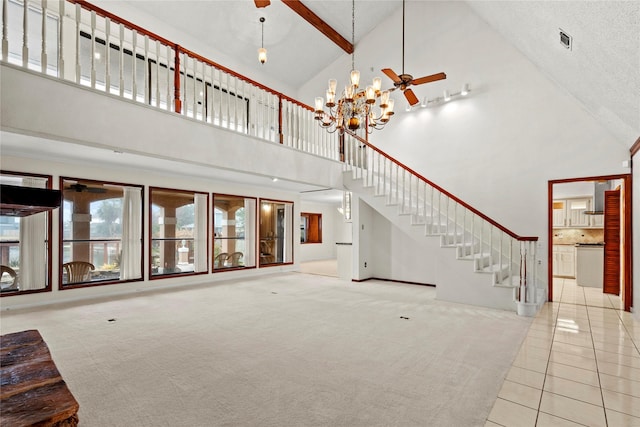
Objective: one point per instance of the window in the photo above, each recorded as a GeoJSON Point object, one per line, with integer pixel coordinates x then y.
{"type": "Point", "coordinates": [310, 227]}
{"type": "Point", "coordinates": [234, 225]}
{"type": "Point", "coordinates": [25, 252]}
{"type": "Point", "coordinates": [276, 232]}
{"type": "Point", "coordinates": [178, 232]}
{"type": "Point", "coordinates": [102, 226]}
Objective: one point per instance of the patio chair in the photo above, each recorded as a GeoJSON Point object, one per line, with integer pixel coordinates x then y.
{"type": "Point", "coordinates": [78, 271]}
{"type": "Point", "coordinates": [235, 259]}
{"type": "Point", "coordinates": [220, 259]}
{"type": "Point", "coordinates": [11, 285]}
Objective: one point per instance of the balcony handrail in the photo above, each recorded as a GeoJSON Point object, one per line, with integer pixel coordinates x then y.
{"type": "Point", "coordinates": [115, 18]}
{"type": "Point", "coordinates": [443, 191]}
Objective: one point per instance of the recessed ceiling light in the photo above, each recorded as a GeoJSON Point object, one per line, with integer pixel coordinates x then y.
{"type": "Point", "coordinates": [274, 179]}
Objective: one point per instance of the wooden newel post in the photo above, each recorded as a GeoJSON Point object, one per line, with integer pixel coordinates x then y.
{"type": "Point", "coordinates": [280, 119]}
{"type": "Point", "coordinates": [176, 81]}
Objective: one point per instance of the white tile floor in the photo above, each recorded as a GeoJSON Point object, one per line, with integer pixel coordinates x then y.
{"type": "Point", "coordinates": [579, 365]}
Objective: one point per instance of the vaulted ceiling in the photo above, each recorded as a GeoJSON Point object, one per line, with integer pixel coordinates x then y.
{"type": "Point", "coordinates": [601, 70]}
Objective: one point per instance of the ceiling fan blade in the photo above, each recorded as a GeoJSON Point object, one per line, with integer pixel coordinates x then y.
{"type": "Point", "coordinates": [262, 3]}
{"type": "Point", "coordinates": [411, 97]}
{"type": "Point", "coordinates": [393, 76]}
{"type": "Point", "coordinates": [428, 79]}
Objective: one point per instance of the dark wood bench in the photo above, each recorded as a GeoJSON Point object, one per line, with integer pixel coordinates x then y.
{"type": "Point", "coordinates": [32, 392]}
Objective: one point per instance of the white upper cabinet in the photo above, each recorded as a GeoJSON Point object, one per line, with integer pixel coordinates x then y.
{"type": "Point", "coordinates": [570, 213]}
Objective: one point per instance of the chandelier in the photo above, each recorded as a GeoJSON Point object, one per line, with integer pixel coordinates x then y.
{"type": "Point", "coordinates": [356, 107]}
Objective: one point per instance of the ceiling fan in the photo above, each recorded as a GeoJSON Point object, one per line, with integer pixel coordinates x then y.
{"type": "Point", "coordinates": [262, 3]}
{"type": "Point", "coordinates": [403, 81]}
{"type": "Point", "coordinates": [81, 188]}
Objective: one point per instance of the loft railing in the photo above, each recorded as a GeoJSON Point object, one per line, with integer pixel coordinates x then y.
{"type": "Point", "coordinates": [492, 247]}
{"type": "Point", "coordinates": [79, 42]}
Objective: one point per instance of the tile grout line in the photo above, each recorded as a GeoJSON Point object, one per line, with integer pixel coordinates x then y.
{"type": "Point", "coordinates": [544, 380]}
{"type": "Point", "coordinates": [604, 409]}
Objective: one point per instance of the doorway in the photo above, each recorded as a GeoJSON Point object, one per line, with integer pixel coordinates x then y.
{"type": "Point", "coordinates": [587, 217]}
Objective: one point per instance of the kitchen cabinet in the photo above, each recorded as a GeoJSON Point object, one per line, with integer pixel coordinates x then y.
{"type": "Point", "coordinates": [564, 261]}
{"type": "Point", "coordinates": [570, 213]}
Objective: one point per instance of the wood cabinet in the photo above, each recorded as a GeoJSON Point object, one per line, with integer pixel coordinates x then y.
{"type": "Point", "coordinates": [564, 261]}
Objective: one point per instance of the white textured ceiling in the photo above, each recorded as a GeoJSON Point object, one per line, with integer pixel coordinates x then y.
{"type": "Point", "coordinates": [602, 69]}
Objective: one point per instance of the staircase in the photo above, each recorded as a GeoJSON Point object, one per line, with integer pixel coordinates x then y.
{"type": "Point", "coordinates": [480, 262]}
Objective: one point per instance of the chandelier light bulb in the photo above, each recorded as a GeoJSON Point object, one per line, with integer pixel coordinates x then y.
{"type": "Point", "coordinates": [348, 93]}
{"type": "Point", "coordinates": [332, 85]}
{"type": "Point", "coordinates": [371, 95]}
{"type": "Point", "coordinates": [331, 96]}
{"type": "Point", "coordinates": [318, 105]}
{"type": "Point", "coordinates": [355, 78]}
{"type": "Point", "coordinates": [389, 110]}
{"type": "Point", "coordinates": [384, 99]}
{"type": "Point", "coordinates": [377, 84]}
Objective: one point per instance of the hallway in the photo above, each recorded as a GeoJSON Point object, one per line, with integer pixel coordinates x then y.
{"type": "Point", "coordinates": [579, 365]}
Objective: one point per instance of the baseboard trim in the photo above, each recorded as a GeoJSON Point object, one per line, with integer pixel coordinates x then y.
{"type": "Point", "coordinates": [395, 281]}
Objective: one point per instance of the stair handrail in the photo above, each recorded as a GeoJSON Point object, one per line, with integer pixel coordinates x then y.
{"type": "Point", "coordinates": [445, 192]}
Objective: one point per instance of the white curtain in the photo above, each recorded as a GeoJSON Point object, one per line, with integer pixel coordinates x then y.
{"type": "Point", "coordinates": [200, 233]}
{"type": "Point", "coordinates": [33, 248]}
{"type": "Point", "coordinates": [250, 232]}
{"type": "Point", "coordinates": [131, 258]}
{"type": "Point", "coordinates": [288, 233]}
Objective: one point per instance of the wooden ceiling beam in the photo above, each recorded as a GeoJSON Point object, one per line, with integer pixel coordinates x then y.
{"type": "Point", "coordinates": [319, 24]}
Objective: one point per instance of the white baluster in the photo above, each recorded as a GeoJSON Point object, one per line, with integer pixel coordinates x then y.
{"type": "Point", "coordinates": [61, 19]}
{"type": "Point", "coordinates": [491, 245]}
{"type": "Point", "coordinates": [195, 88]}
{"type": "Point", "coordinates": [170, 83]}
{"type": "Point", "coordinates": [501, 234]}
{"type": "Point", "coordinates": [5, 25]}
{"type": "Point", "coordinates": [43, 52]}
{"type": "Point", "coordinates": [78, 18]}
{"type": "Point", "coordinates": [25, 35]}
{"type": "Point", "coordinates": [511, 241]}
{"type": "Point", "coordinates": [121, 62]}
{"type": "Point", "coordinates": [107, 59]}
{"type": "Point", "coordinates": [134, 65]}
{"type": "Point", "coordinates": [157, 79]}
{"type": "Point", "coordinates": [92, 74]}
{"type": "Point", "coordinates": [147, 71]}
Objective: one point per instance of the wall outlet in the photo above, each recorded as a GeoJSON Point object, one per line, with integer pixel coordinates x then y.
{"type": "Point", "coordinates": [365, 264]}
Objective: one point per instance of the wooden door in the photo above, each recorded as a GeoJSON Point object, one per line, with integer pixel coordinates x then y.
{"type": "Point", "coordinates": [612, 242]}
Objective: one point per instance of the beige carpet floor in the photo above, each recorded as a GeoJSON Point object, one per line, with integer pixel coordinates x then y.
{"type": "Point", "coordinates": [288, 349]}
{"type": "Point", "coordinates": [323, 267]}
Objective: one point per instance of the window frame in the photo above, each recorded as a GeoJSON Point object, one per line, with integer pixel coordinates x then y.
{"type": "Point", "coordinates": [312, 221]}
{"type": "Point", "coordinates": [151, 239]}
{"type": "Point", "coordinates": [259, 231]}
{"type": "Point", "coordinates": [254, 249]}
{"type": "Point", "coordinates": [49, 276]}
{"type": "Point", "coordinates": [62, 241]}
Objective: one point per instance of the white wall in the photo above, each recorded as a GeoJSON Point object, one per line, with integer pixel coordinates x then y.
{"type": "Point", "coordinates": [363, 239]}
{"type": "Point", "coordinates": [397, 256]}
{"type": "Point", "coordinates": [129, 176]}
{"type": "Point", "coordinates": [330, 222]}
{"type": "Point", "coordinates": [497, 148]}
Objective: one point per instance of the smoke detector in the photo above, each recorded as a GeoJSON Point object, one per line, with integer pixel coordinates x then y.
{"type": "Point", "coordinates": [565, 39]}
